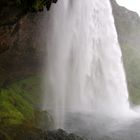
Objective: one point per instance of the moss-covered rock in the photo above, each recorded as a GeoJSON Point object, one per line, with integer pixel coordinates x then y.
{"type": "Point", "coordinates": [128, 28]}
{"type": "Point", "coordinates": [19, 101]}
{"type": "Point", "coordinates": [26, 133]}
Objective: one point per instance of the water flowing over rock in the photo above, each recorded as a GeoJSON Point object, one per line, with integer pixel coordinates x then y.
{"type": "Point", "coordinates": [84, 70]}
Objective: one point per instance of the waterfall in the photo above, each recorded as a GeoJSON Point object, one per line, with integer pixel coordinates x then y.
{"type": "Point", "coordinates": [84, 69]}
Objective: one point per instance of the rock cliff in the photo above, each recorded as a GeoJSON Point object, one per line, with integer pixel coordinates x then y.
{"type": "Point", "coordinates": [128, 28]}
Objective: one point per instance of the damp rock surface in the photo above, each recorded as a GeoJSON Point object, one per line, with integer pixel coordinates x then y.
{"type": "Point", "coordinates": [23, 133]}
{"type": "Point", "coordinates": [61, 135]}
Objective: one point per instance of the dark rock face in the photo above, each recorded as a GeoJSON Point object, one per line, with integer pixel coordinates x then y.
{"type": "Point", "coordinates": [128, 29]}
{"type": "Point", "coordinates": [49, 2]}
{"type": "Point", "coordinates": [20, 53]}
{"type": "Point", "coordinates": [12, 10]}
{"type": "Point", "coordinates": [9, 12]}
{"type": "Point", "coordinates": [61, 135]}
{"type": "Point", "coordinates": [37, 134]}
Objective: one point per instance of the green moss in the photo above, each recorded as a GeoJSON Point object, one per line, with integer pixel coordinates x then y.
{"type": "Point", "coordinates": [38, 5]}
{"type": "Point", "coordinates": [131, 58]}
{"type": "Point", "coordinates": [19, 2]}
{"type": "Point", "coordinates": [18, 101]}
{"type": "Point", "coordinates": [29, 89]}
{"type": "Point", "coordinates": [134, 94]}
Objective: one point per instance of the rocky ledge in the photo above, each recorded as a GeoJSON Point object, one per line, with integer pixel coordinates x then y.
{"type": "Point", "coordinates": [36, 134]}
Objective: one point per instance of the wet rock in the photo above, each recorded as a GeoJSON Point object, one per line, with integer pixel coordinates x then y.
{"type": "Point", "coordinates": [29, 133]}
{"type": "Point", "coordinates": [61, 135]}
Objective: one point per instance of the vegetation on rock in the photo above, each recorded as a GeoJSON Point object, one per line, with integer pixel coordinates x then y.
{"type": "Point", "coordinates": [128, 29]}
{"type": "Point", "coordinates": [29, 133]}
{"type": "Point", "coordinates": [18, 102]}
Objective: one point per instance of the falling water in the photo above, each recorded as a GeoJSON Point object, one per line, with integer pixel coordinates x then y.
{"type": "Point", "coordinates": [84, 70]}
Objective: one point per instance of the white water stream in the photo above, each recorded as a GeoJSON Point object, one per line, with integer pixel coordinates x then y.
{"type": "Point", "coordinates": [84, 70]}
